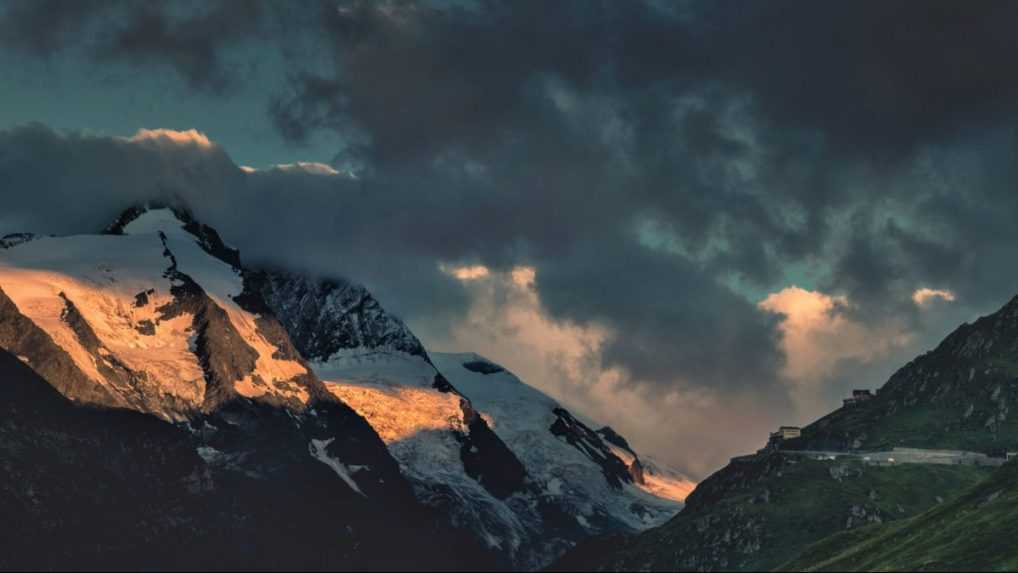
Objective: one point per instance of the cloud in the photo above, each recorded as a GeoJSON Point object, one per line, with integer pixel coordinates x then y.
{"type": "Point", "coordinates": [818, 337]}
{"type": "Point", "coordinates": [658, 183]}
{"type": "Point", "coordinates": [467, 273]}
{"type": "Point", "coordinates": [308, 167]}
{"type": "Point", "coordinates": [507, 322]}
{"type": "Point", "coordinates": [189, 38]}
{"type": "Point", "coordinates": [925, 296]}
{"type": "Point", "coordinates": [170, 136]}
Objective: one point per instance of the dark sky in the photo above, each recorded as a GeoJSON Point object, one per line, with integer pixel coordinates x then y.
{"type": "Point", "coordinates": [691, 220]}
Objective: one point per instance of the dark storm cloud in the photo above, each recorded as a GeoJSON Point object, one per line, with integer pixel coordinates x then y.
{"type": "Point", "coordinates": [190, 38]}
{"type": "Point", "coordinates": [875, 76]}
{"type": "Point", "coordinates": [747, 137]}
{"type": "Point", "coordinates": [681, 331]}
{"type": "Point", "coordinates": [304, 221]}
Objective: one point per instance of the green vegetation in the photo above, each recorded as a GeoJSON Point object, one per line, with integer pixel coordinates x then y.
{"type": "Point", "coordinates": [756, 515]}
{"type": "Point", "coordinates": [958, 396]}
{"type": "Point", "coordinates": [974, 531]}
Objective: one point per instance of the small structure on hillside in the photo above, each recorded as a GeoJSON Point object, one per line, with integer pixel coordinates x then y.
{"type": "Point", "coordinates": [783, 433]}
{"type": "Point", "coordinates": [1002, 453]}
{"type": "Point", "coordinates": [858, 396]}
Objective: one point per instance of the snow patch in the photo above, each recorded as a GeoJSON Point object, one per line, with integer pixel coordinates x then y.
{"type": "Point", "coordinates": [317, 448]}
{"type": "Point", "coordinates": [399, 413]}
{"type": "Point", "coordinates": [371, 366]}
{"type": "Point", "coordinates": [210, 455]}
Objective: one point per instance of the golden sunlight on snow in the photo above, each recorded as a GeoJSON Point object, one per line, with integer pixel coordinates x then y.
{"type": "Point", "coordinates": [667, 487]}
{"type": "Point", "coordinates": [270, 368]}
{"type": "Point", "coordinates": [924, 296]}
{"type": "Point", "coordinates": [399, 412]}
{"type": "Point", "coordinates": [106, 298]}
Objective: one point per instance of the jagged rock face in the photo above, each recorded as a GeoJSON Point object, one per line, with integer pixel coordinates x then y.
{"type": "Point", "coordinates": [451, 448]}
{"type": "Point", "coordinates": [578, 486]}
{"type": "Point", "coordinates": [578, 435]}
{"type": "Point", "coordinates": [15, 239]}
{"type": "Point", "coordinates": [324, 317]}
{"type": "Point", "coordinates": [84, 488]}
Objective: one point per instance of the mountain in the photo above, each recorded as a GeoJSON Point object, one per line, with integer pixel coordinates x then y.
{"type": "Point", "coordinates": [92, 488]}
{"type": "Point", "coordinates": [476, 442]}
{"type": "Point", "coordinates": [578, 484]}
{"type": "Point", "coordinates": [957, 396]}
{"type": "Point", "coordinates": [264, 380]}
{"type": "Point", "coordinates": [973, 532]}
{"type": "Point", "coordinates": [764, 509]}
{"type": "Point", "coordinates": [187, 431]}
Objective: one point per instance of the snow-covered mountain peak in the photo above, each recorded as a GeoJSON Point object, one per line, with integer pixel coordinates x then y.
{"type": "Point", "coordinates": [157, 220]}
{"type": "Point", "coordinates": [147, 318]}
{"type": "Point", "coordinates": [158, 314]}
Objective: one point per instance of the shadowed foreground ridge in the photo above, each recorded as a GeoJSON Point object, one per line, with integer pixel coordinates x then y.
{"type": "Point", "coordinates": [86, 488]}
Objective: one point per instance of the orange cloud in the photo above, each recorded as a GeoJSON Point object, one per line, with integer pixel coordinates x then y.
{"type": "Point", "coordinates": [189, 137]}
{"type": "Point", "coordinates": [467, 272]}
{"type": "Point", "coordinates": [924, 296]}
{"type": "Point", "coordinates": [816, 335]}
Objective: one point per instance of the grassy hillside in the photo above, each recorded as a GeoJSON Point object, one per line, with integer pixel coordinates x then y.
{"type": "Point", "coordinates": [975, 531]}
{"type": "Point", "coordinates": [957, 396]}
{"type": "Point", "coordinates": [756, 514]}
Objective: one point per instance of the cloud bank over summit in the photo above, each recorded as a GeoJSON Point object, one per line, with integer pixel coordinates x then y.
{"type": "Point", "coordinates": [618, 329]}
{"type": "Point", "coordinates": [665, 170]}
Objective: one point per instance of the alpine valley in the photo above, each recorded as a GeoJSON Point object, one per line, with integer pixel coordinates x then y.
{"type": "Point", "coordinates": [919, 476]}
{"type": "Point", "coordinates": [165, 406]}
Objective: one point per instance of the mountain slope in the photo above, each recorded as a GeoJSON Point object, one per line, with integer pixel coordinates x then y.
{"type": "Point", "coordinates": [269, 373]}
{"type": "Point", "coordinates": [447, 442]}
{"type": "Point", "coordinates": [973, 532]}
{"type": "Point", "coordinates": [763, 509]}
{"type": "Point", "coordinates": [151, 324]}
{"type": "Point", "coordinates": [147, 321]}
{"type": "Point", "coordinates": [956, 396]}
{"type": "Point", "coordinates": [93, 488]}
{"type": "Point", "coordinates": [755, 514]}
{"type": "Point", "coordinates": [561, 452]}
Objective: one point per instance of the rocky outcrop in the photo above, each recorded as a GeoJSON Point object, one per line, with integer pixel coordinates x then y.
{"type": "Point", "coordinates": [578, 435]}
{"type": "Point", "coordinates": [326, 316]}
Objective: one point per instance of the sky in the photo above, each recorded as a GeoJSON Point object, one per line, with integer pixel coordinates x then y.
{"type": "Point", "coordinates": [693, 221]}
